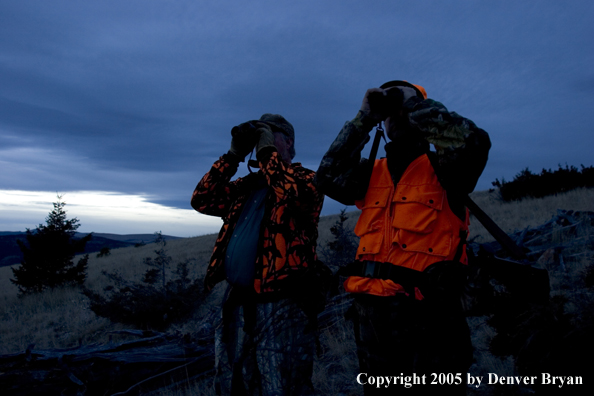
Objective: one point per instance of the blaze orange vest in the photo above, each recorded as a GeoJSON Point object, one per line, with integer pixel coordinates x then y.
{"type": "Point", "coordinates": [410, 224]}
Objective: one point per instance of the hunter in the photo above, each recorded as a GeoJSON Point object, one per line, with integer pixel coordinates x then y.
{"type": "Point", "coordinates": [265, 342]}
{"type": "Point", "coordinates": [413, 221]}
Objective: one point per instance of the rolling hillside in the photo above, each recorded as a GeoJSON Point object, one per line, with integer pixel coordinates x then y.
{"type": "Point", "coordinates": [62, 318]}
{"type": "Point", "coordinates": [10, 254]}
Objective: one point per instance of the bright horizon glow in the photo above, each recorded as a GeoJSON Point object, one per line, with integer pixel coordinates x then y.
{"type": "Point", "coordinates": [103, 212]}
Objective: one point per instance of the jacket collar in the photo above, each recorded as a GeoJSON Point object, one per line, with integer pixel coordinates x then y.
{"type": "Point", "coordinates": [401, 152]}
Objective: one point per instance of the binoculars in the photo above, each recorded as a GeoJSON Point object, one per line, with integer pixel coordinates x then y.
{"type": "Point", "coordinates": [246, 128]}
{"type": "Point", "coordinates": [388, 104]}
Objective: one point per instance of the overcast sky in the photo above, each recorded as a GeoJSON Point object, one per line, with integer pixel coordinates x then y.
{"type": "Point", "coordinates": [122, 106]}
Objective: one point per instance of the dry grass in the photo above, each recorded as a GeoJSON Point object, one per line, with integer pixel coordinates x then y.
{"type": "Point", "coordinates": [61, 318]}
{"type": "Point", "coordinates": [335, 371]}
{"type": "Point", "coordinates": [58, 318]}
{"type": "Point", "coordinates": [128, 261]}
{"type": "Point", "coordinates": [530, 212]}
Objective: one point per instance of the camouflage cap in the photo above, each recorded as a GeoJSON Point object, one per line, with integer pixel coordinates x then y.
{"type": "Point", "coordinates": [421, 93]}
{"type": "Point", "coordinates": [280, 123]}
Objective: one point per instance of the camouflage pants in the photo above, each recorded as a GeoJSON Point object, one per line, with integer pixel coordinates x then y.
{"type": "Point", "coordinates": [271, 355]}
{"type": "Point", "coordinates": [399, 335]}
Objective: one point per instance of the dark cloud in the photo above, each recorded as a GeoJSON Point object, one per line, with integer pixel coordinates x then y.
{"type": "Point", "coordinates": [139, 97]}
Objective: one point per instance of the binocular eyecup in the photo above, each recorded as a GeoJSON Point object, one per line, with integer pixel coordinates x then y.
{"type": "Point", "coordinates": [246, 127]}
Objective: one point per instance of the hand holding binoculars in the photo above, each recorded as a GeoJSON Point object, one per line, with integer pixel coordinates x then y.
{"type": "Point", "coordinates": [245, 136]}
{"type": "Point", "coordinates": [381, 104]}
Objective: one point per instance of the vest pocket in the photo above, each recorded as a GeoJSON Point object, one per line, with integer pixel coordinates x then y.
{"type": "Point", "coordinates": [371, 221]}
{"type": "Point", "coordinates": [370, 243]}
{"type": "Point", "coordinates": [438, 243]}
{"type": "Point", "coordinates": [372, 210]}
{"type": "Point", "coordinates": [415, 220]}
{"type": "Point", "coordinates": [416, 208]}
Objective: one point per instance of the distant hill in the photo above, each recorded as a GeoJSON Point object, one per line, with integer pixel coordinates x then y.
{"type": "Point", "coordinates": [128, 238]}
{"type": "Point", "coordinates": [10, 253]}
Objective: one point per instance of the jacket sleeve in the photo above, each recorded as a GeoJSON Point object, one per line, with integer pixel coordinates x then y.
{"type": "Point", "coordinates": [215, 193]}
{"type": "Point", "coordinates": [461, 147]}
{"type": "Point", "coordinates": [343, 175]}
{"type": "Point", "coordinates": [291, 183]}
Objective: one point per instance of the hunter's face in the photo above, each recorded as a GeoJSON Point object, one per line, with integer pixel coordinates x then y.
{"type": "Point", "coordinates": [283, 145]}
{"type": "Point", "coordinates": [397, 124]}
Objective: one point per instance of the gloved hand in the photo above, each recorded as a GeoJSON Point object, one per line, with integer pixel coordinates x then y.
{"type": "Point", "coordinates": [409, 99]}
{"type": "Point", "coordinates": [379, 104]}
{"type": "Point", "coordinates": [266, 137]}
{"type": "Point", "coordinates": [407, 93]}
{"type": "Point", "coordinates": [244, 139]}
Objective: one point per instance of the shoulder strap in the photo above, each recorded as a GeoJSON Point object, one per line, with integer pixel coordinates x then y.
{"type": "Point", "coordinates": [379, 134]}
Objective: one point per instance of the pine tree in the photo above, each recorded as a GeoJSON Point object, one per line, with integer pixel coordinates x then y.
{"type": "Point", "coordinates": [343, 249]}
{"type": "Point", "coordinates": [48, 254]}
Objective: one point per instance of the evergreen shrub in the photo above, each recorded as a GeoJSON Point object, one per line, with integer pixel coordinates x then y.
{"type": "Point", "coordinates": [162, 297]}
{"type": "Point", "coordinates": [48, 254]}
{"type": "Point", "coordinates": [527, 184]}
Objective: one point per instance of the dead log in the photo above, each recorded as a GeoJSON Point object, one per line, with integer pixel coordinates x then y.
{"type": "Point", "coordinates": [104, 369]}
{"type": "Point", "coordinates": [152, 361]}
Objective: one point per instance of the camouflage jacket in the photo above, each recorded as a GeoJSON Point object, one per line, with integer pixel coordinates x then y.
{"type": "Point", "coordinates": [461, 151]}
{"type": "Point", "coordinates": [289, 230]}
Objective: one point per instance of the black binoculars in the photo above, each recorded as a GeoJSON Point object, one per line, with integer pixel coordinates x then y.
{"type": "Point", "coordinates": [246, 128]}
{"type": "Point", "coordinates": [388, 104]}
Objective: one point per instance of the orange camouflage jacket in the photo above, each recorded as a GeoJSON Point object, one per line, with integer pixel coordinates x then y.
{"type": "Point", "coordinates": [289, 230]}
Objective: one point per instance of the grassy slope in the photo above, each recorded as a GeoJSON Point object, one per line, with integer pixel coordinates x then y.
{"type": "Point", "coordinates": [60, 318]}
{"type": "Point", "coordinates": [530, 212]}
